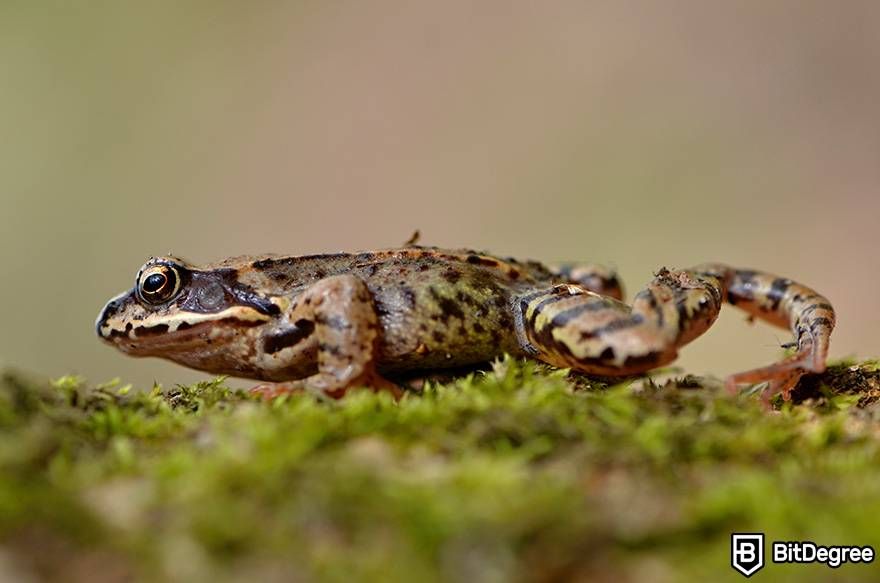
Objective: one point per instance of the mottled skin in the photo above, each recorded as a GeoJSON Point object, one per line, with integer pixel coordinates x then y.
{"type": "Point", "coordinates": [330, 322]}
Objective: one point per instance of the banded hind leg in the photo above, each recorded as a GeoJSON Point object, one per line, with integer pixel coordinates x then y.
{"type": "Point", "coordinates": [571, 327]}
{"type": "Point", "coordinates": [786, 304]}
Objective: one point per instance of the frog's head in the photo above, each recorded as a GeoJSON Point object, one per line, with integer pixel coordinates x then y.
{"type": "Point", "coordinates": [200, 318]}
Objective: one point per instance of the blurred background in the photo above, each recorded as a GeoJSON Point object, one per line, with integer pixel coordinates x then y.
{"type": "Point", "coordinates": [640, 134]}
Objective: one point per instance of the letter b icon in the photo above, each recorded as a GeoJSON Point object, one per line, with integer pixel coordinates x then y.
{"type": "Point", "coordinates": [747, 552]}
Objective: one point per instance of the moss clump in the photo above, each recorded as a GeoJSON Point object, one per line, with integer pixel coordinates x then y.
{"type": "Point", "coordinates": [517, 473]}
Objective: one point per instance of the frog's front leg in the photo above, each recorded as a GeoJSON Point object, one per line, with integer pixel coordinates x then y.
{"type": "Point", "coordinates": [339, 312]}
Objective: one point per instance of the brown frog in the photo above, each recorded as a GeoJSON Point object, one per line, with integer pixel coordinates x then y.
{"type": "Point", "coordinates": [333, 321]}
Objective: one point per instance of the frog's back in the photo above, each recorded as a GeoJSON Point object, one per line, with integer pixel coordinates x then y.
{"type": "Point", "coordinates": [437, 307]}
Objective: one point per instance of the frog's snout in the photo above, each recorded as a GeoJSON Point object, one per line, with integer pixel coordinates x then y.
{"type": "Point", "coordinates": [112, 308]}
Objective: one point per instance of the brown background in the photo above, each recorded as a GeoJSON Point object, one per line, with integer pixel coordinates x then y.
{"type": "Point", "coordinates": [641, 134]}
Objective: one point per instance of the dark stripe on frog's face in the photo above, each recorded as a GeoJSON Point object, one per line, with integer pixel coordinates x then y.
{"type": "Point", "coordinates": [204, 297]}
{"type": "Point", "coordinates": [214, 291]}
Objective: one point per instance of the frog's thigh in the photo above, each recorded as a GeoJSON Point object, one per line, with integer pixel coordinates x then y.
{"type": "Point", "coordinates": [570, 327]}
{"type": "Point", "coordinates": [347, 329]}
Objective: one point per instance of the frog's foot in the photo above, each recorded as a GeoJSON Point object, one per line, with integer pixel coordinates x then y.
{"type": "Point", "coordinates": [326, 384]}
{"type": "Point", "coordinates": [270, 391]}
{"type": "Point", "coordinates": [781, 377]}
{"type": "Point", "coordinates": [372, 381]}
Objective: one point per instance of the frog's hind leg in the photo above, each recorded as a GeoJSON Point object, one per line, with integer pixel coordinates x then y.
{"type": "Point", "coordinates": [786, 304]}
{"type": "Point", "coordinates": [600, 279]}
{"type": "Point", "coordinates": [570, 326]}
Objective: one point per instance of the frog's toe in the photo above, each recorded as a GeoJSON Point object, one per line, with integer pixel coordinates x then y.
{"type": "Point", "coordinates": [781, 378]}
{"type": "Point", "coordinates": [372, 381]}
{"type": "Point", "coordinates": [380, 383]}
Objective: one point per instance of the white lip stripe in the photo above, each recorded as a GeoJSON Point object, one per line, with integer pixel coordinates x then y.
{"type": "Point", "coordinates": [174, 321]}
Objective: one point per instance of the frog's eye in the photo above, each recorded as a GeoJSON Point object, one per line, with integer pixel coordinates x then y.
{"type": "Point", "coordinates": [158, 284]}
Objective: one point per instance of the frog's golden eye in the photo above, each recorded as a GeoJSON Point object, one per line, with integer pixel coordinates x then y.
{"type": "Point", "coordinates": [158, 284]}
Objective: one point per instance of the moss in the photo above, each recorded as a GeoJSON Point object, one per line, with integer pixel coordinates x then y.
{"type": "Point", "coordinates": [516, 473]}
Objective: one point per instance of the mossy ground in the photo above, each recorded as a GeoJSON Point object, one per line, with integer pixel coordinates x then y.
{"type": "Point", "coordinates": [516, 473]}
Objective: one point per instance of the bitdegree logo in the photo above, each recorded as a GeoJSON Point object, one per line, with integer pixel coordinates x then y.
{"type": "Point", "coordinates": [747, 552]}
{"type": "Point", "coordinates": [809, 552]}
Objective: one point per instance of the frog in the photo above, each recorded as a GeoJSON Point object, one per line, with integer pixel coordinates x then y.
{"type": "Point", "coordinates": [327, 323]}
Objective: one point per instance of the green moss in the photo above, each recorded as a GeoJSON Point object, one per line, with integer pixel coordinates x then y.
{"type": "Point", "coordinates": [518, 473]}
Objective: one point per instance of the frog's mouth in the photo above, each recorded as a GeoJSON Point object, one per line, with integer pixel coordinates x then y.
{"type": "Point", "coordinates": [158, 340]}
{"type": "Point", "coordinates": [126, 325]}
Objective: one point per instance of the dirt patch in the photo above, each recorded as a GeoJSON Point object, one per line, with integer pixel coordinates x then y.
{"type": "Point", "coordinates": [843, 379]}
